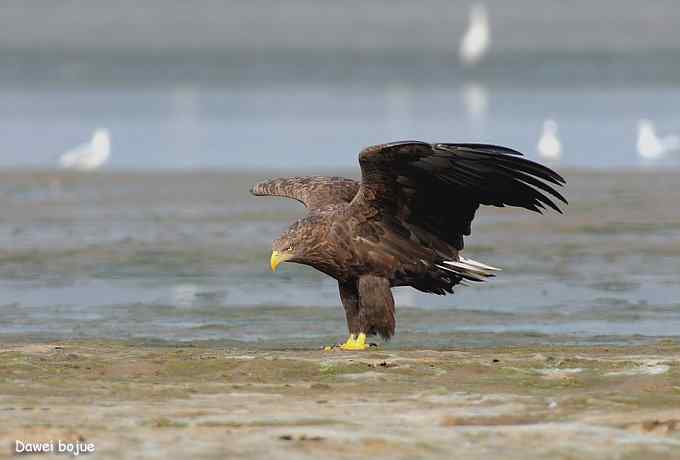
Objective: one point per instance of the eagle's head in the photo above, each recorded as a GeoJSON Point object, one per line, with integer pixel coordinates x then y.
{"type": "Point", "coordinates": [299, 244]}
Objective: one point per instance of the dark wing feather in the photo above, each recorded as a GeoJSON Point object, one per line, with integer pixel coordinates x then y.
{"type": "Point", "coordinates": [438, 187]}
{"type": "Point", "coordinates": [313, 191]}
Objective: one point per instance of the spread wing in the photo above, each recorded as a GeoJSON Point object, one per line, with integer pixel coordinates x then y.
{"type": "Point", "coordinates": [314, 191]}
{"type": "Point", "coordinates": [437, 188]}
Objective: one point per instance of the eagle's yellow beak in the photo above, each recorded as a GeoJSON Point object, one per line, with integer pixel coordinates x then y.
{"type": "Point", "coordinates": [278, 258]}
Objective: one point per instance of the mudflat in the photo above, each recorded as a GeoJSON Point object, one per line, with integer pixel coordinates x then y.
{"type": "Point", "coordinates": [134, 400]}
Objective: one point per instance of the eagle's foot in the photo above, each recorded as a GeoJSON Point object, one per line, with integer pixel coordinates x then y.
{"type": "Point", "coordinates": [355, 342]}
{"type": "Point", "coordinates": [351, 340]}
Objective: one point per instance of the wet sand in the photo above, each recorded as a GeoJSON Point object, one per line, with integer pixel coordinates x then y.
{"type": "Point", "coordinates": [178, 401]}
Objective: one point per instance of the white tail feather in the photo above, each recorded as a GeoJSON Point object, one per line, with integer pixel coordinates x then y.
{"type": "Point", "coordinates": [463, 265]}
{"type": "Point", "coordinates": [479, 264]}
{"type": "Point", "coordinates": [465, 272]}
{"type": "Point", "coordinates": [468, 269]}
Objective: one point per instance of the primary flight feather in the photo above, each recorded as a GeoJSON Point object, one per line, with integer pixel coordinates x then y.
{"type": "Point", "coordinates": [404, 223]}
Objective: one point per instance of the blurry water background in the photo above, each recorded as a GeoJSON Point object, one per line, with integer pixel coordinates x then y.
{"type": "Point", "coordinates": [267, 87]}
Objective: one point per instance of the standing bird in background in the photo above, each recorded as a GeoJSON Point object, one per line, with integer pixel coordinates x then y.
{"type": "Point", "coordinates": [477, 37]}
{"type": "Point", "coordinates": [651, 147]}
{"type": "Point", "coordinates": [549, 146]}
{"type": "Point", "coordinates": [404, 223]}
{"type": "Point", "coordinates": [475, 100]}
{"type": "Point", "coordinates": [88, 156]}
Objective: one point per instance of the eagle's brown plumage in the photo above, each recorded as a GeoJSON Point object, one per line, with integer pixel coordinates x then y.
{"type": "Point", "coordinates": [404, 224]}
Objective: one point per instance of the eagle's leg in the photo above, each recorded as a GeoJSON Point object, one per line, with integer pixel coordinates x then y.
{"type": "Point", "coordinates": [369, 308]}
{"type": "Point", "coordinates": [376, 306]}
{"type": "Point", "coordinates": [350, 300]}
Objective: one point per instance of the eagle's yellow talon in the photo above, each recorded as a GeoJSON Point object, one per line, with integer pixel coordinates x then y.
{"type": "Point", "coordinates": [349, 342]}
{"type": "Point", "coordinates": [354, 342]}
{"type": "Point", "coordinates": [358, 343]}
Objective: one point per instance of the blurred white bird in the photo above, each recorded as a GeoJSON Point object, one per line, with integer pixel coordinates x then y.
{"type": "Point", "coordinates": [184, 295]}
{"type": "Point", "coordinates": [477, 37]}
{"type": "Point", "coordinates": [89, 156]}
{"type": "Point", "coordinates": [475, 99]}
{"type": "Point", "coordinates": [650, 146]}
{"type": "Point", "coordinates": [549, 146]}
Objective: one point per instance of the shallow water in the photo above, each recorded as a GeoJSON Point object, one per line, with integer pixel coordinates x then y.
{"type": "Point", "coordinates": [324, 125]}
{"type": "Point", "coordinates": [184, 256]}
